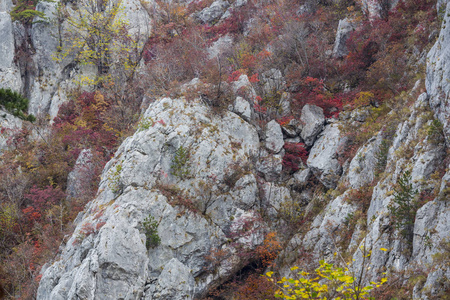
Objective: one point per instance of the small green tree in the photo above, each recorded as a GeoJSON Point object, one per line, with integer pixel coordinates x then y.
{"type": "Point", "coordinates": [25, 11]}
{"type": "Point", "coordinates": [151, 232]}
{"type": "Point", "coordinates": [16, 104]}
{"type": "Point", "coordinates": [404, 206]}
{"type": "Point", "coordinates": [180, 166]}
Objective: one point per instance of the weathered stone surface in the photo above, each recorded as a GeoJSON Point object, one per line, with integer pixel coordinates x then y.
{"type": "Point", "coordinates": [285, 104]}
{"type": "Point", "coordinates": [270, 165]}
{"type": "Point", "coordinates": [139, 22]}
{"type": "Point", "coordinates": [438, 72]}
{"type": "Point", "coordinates": [323, 236]}
{"type": "Point", "coordinates": [313, 119]}
{"type": "Point", "coordinates": [5, 5]}
{"type": "Point", "coordinates": [106, 257]}
{"type": "Point", "coordinates": [7, 38]}
{"type": "Point", "coordinates": [213, 12]}
{"type": "Point", "coordinates": [292, 129]}
{"type": "Point", "coordinates": [9, 74]}
{"type": "Point", "coordinates": [273, 81]}
{"type": "Point", "coordinates": [243, 84]}
{"type": "Point", "coordinates": [345, 27]}
{"type": "Point", "coordinates": [374, 8]}
{"type": "Point", "coordinates": [323, 157]}
{"type": "Point", "coordinates": [301, 177]}
{"type": "Point", "coordinates": [235, 5]}
{"type": "Point", "coordinates": [44, 86]}
{"type": "Point", "coordinates": [218, 47]}
{"type": "Point", "coordinates": [8, 124]}
{"type": "Point", "coordinates": [274, 136]}
{"type": "Point", "coordinates": [363, 166]}
{"type": "Point", "coordinates": [427, 158]}
{"type": "Point", "coordinates": [242, 108]}
{"type": "Point", "coordinates": [81, 176]}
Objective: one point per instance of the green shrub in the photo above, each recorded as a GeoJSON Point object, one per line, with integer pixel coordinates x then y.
{"type": "Point", "coordinates": [151, 232]}
{"type": "Point", "coordinates": [25, 12]}
{"type": "Point", "coordinates": [381, 156]}
{"type": "Point", "coordinates": [16, 104]}
{"type": "Point", "coordinates": [114, 178]}
{"type": "Point", "coordinates": [145, 124]}
{"type": "Point", "coordinates": [435, 132]}
{"type": "Point", "coordinates": [180, 163]}
{"type": "Point", "coordinates": [404, 206]}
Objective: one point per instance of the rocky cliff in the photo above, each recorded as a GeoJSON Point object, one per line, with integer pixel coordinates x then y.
{"type": "Point", "coordinates": [189, 199]}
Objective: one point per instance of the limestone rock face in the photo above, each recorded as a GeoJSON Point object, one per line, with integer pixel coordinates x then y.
{"type": "Point", "coordinates": [5, 5]}
{"type": "Point", "coordinates": [9, 73]}
{"type": "Point", "coordinates": [363, 166]}
{"type": "Point", "coordinates": [197, 211]}
{"type": "Point", "coordinates": [345, 27]}
{"type": "Point", "coordinates": [213, 12]}
{"type": "Point", "coordinates": [44, 86]}
{"type": "Point", "coordinates": [438, 72]}
{"type": "Point", "coordinates": [42, 79]}
{"type": "Point", "coordinates": [323, 157]}
{"type": "Point", "coordinates": [375, 8]}
{"type": "Point", "coordinates": [8, 123]}
{"type": "Point", "coordinates": [274, 137]}
{"type": "Point", "coordinates": [81, 176]}
{"type": "Point", "coordinates": [313, 120]}
{"type": "Point", "coordinates": [322, 237]}
{"type": "Point", "coordinates": [242, 108]}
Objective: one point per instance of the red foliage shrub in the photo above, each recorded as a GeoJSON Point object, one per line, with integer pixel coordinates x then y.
{"type": "Point", "coordinates": [295, 154]}
{"type": "Point", "coordinates": [41, 200]}
{"type": "Point", "coordinates": [312, 91]}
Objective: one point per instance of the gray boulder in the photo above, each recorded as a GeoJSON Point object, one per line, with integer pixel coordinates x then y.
{"type": "Point", "coordinates": [272, 81]}
{"type": "Point", "coordinates": [313, 119]}
{"type": "Point", "coordinates": [274, 137]}
{"type": "Point", "coordinates": [323, 157]}
{"type": "Point", "coordinates": [242, 108]}
{"type": "Point", "coordinates": [270, 165]}
{"type": "Point", "coordinates": [345, 27]}
{"type": "Point", "coordinates": [213, 12]}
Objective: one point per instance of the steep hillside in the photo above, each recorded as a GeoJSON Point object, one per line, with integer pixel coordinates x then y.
{"type": "Point", "coordinates": [182, 149]}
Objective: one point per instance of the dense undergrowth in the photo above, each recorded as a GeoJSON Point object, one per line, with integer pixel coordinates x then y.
{"type": "Point", "coordinates": [385, 58]}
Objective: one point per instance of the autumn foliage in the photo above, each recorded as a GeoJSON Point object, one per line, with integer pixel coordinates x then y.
{"type": "Point", "coordinates": [294, 37]}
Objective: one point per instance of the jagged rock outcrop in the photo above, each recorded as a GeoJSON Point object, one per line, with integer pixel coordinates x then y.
{"type": "Point", "coordinates": [202, 178]}
{"type": "Point", "coordinates": [8, 123]}
{"type": "Point", "coordinates": [199, 200]}
{"type": "Point", "coordinates": [323, 236]}
{"type": "Point", "coordinates": [438, 72]}
{"type": "Point", "coordinates": [345, 27]}
{"type": "Point", "coordinates": [313, 119]}
{"type": "Point", "coordinates": [27, 55]}
{"type": "Point", "coordinates": [9, 73]}
{"type": "Point", "coordinates": [274, 137]}
{"type": "Point", "coordinates": [213, 12]}
{"type": "Point", "coordinates": [81, 176]}
{"type": "Point", "coordinates": [242, 108]}
{"type": "Point", "coordinates": [323, 157]}
{"type": "Point", "coordinates": [363, 166]}
{"type": "Point", "coordinates": [376, 8]}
